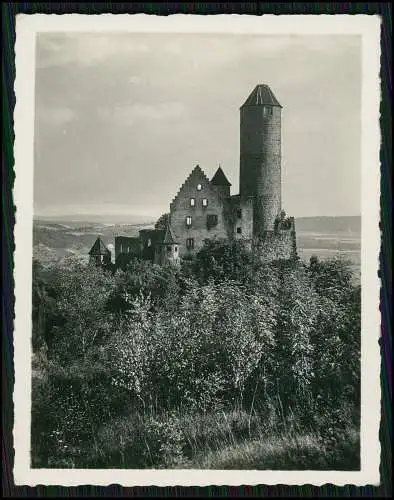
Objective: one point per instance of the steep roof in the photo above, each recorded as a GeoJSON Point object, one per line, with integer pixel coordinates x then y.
{"type": "Point", "coordinates": [219, 179]}
{"type": "Point", "coordinates": [99, 248]}
{"type": "Point", "coordinates": [260, 96]}
{"type": "Point", "coordinates": [168, 237]}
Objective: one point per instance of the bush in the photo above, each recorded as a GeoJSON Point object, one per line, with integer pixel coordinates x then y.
{"type": "Point", "coordinates": [270, 346]}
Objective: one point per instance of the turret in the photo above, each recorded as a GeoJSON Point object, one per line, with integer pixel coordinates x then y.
{"type": "Point", "coordinates": [167, 250]}
{"type": "Point", "coordinates": [260, 156]}
{"type": "Point", "coordinates": [221, 183]}
{"type": "Point", "coordinates": [99, 253]}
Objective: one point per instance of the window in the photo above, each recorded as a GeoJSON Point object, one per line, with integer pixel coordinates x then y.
{"type": "Point", "coordinates": [176, 249]}
{"type": "Point", "coordinates": [199, 187]}
{"type": "Point", "coordinates": [212, 220]}
{"type": "Point", "coordinates": [239, 230]}
{"type": "Point", "coordinates": [204, 202]}
{"type": "Point", "coordinates": [267, 111]}
{"type": "Point", "coordinates": [188, 221]}
{"type": "Point", "coordinates": [149, 242]}
{"type": "Point", "coordinates": [239, 213]}
{"type": "Point", "coordinates": [190, 243]}
{"type": "Point", "coordinates": [192, 202]}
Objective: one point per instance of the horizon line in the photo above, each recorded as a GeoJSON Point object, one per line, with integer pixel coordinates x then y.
{"type": "Point", "coordinates": [120, 215]}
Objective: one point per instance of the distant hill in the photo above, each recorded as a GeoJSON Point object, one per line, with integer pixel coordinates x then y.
{"type": "Point", "coordinates": [84, 219]}
{"type": "Point", "coordinates": [55, 240]}
{"type": "Point", "coordinates": [348, 224]}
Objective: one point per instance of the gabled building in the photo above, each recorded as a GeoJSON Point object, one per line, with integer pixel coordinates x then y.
{"type": "Point", "coordinates": [204, 209]}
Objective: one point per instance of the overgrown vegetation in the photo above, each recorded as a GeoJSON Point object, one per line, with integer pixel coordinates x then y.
{"type": "Point", "coordinates": [224, 362]}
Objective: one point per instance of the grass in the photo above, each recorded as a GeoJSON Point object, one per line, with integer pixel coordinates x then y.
{"type": "Point", "coordinates": [218, 440]}
{"type": "Point", "coordinates": [295, 452]}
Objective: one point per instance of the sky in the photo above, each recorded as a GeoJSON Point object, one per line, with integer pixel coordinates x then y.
{"type": "Point", "coordinates": [121, 119]}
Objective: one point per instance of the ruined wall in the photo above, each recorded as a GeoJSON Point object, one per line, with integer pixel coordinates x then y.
{"type": "Point", "coordinates": [200, 230]}
{"type": "Point", "coordinates": [149, 238]}
{"type": "Point", "coordinates": [280, 244]}
{"type": "Point", "coordinates": [126, 245]}
{"type": "Point", "coordinates": [260, 162]}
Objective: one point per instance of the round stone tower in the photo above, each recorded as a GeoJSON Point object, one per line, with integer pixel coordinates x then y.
{"type": "Point", "coordinates": [260, 156]}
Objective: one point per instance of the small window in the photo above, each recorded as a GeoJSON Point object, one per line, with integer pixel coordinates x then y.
{"type": "Point", "coordinates": [267, 111]}
{"type": "Point", "coordinates": [176, 249]}
{"type": "Point", "coordinates": [204, 202]}
{"type": "Point", "coordinates": [239, 213]}
{"type": "Point", "coordinates": [149, 242]}
{"type": "Point", "coordinates": [192, 202]}
{"type": "Point", "coordinates": [190, 243]}
{"type": "Point", "coordinates": [212, 220]}
{"type": "Point", "coordinates": [239, 230]}
{"type": "Point", "coordinates": [188, 221]}
{"type": "Point", "coordinates": [199, 187]}
{"type": "Point", "coordinates": [168, 248]}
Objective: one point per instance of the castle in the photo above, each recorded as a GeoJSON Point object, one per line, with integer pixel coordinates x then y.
{"type": "Point", "coordinates": [205, 209]}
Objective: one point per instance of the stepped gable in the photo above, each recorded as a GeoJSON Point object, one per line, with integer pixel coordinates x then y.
{"type": "Point", "coordinates": [197, 174]}
{"type": "Point", "coordinates": [99, 248]}
{"type": "Point", "coordinates": [219, 179]}
{"type": "Point", "coordinates": [261, 95]}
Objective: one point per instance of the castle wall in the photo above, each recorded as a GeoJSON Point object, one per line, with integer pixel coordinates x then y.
{"type": "Point", "coordinates": [166, 254]}
{"type": "Point", "coordinates": [277, 245]}
{"type": "Point", "coordinates": [239, 216]}
{"type": "Point", "coordinates": [126, 245]}
{"type": "Point", "coordinates": [200, 229]}
{"type": "Point", "coordinates": [260, 162]}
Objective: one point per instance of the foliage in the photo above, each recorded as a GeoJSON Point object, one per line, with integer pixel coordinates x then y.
{"type": "Point", "coordinates": [162, 222]}
{"type": "Point", "coordinates": [146, 347]}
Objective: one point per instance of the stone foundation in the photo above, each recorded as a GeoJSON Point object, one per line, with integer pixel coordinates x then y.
{"type": "Point", "coordinates": [280, 244]}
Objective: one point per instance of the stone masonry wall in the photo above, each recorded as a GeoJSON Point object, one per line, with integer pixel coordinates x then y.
{"type": "Point", "coordinates": [126, 245]}
{"type": "Point", "coordinates": [180, 208]}
{"type": "Point", "coordinates": [260, 163]}
{"type": "Point", "coordinates": [275, 245]}
{"type": "Point", "coordinates": [239, 215]}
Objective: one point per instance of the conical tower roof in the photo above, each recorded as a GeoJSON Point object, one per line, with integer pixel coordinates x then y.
{"type": "Point", "coordinates": [261, 95]}
{"type": "Point", "coordinates": [219, 179]}
{"type": "Point", "coordinates": [99, 248]}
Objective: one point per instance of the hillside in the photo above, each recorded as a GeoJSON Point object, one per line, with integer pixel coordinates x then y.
{"type": "Point", "coordinates": [321, 236]}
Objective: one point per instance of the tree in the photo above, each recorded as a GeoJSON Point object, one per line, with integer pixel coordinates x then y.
{"type": "Point", "coordinates": [223, 260]}
{"type": "Point", "coordinates": [162, 222]}
{"type": "Point", "coordinates": [82, 303]}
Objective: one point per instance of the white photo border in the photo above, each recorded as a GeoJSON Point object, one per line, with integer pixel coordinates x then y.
{"type": "Point", "coordinates": [368, 27]}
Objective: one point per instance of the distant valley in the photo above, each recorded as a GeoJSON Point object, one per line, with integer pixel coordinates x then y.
{"type": "Point", "coordinates": [57, 239]}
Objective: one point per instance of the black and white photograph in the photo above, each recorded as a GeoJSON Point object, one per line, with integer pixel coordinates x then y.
{"type": "Point", "coordinates": [197, 249]}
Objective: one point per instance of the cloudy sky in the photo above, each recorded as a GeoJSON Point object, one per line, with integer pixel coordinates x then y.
{"type": "Point", "coordinates": [122, 119]}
